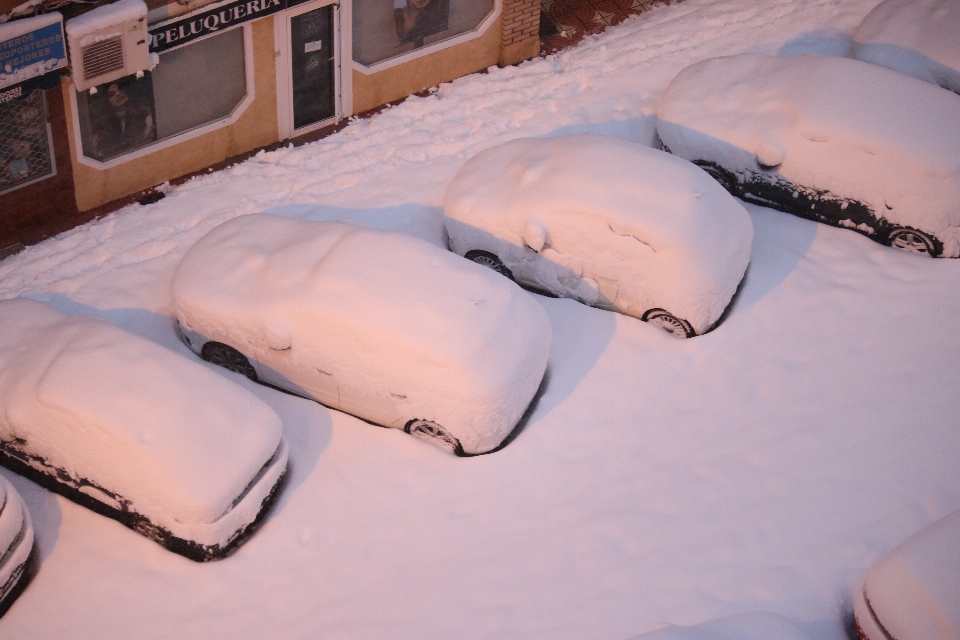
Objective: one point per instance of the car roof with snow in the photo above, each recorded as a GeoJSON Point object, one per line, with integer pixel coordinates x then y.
{"type": "Point", "coordinates": [288, 280]}
{"type": "Point", "coordinates": [130, 416]}
{"type": "Point", "coordinates": [661, 200]}
{"type": "Point", "coordinates": [756, 101]}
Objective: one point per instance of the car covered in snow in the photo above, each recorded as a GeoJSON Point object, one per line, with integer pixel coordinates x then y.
{"type": "Point", "coordinates": [134, 431]}
{"type": "Point", "coordinates": [830, 139]}
{"type": "Point", "coordinates": [381, 325]}
{"type": "Point", "coordinates": [913, 592]}
{"type": "Point", "coordinates": [611, 223]}
{"type": "Point", "coordinates": [918, 37]}
{"type": "Point", "coordinates": [16, 543]}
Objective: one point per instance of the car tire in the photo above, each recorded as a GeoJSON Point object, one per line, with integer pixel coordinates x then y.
{"type": "Point", "coordinates": [669, 322]}
{"type": "Point", "coordinates": [489, 260]}
{"type": "Point", "coordinates": [434, 434]}
{"type": "Point", "coordinates": [913, 241]}
{"type": "Point", "coordinates": [721, 175]}
{"type": "Point", "coordinates": [229, 358]}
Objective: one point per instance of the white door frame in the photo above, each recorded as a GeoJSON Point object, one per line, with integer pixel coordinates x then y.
{"type": "Point", "coordinates": [343, 51]}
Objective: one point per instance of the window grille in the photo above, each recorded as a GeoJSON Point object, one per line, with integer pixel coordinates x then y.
{"type": "Point", "coordinates": [25, 153]}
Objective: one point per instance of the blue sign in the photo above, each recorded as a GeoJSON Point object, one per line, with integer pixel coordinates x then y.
{"type": "Point", "coordinates": [32, 54]}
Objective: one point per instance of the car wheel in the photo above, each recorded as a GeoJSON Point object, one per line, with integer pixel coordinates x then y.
{"type": "Point", "coordinates": [676, 326]}
{"type": "Point", "coordinates": [228, 358]}
{"type": "Point", "coordinates": [490, 261]}
{"type": "Point", "coordinates": [913, 241]}
{"type": "Point", "coordinates": [724, 177]}
{"type": "Point", "coordinates": [434, 434]}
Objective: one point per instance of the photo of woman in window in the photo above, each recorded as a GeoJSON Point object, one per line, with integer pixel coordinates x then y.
{"type": "Point", "coordinates": [417, 19]}
{"type": "Point", "coordinates": [122, 119]}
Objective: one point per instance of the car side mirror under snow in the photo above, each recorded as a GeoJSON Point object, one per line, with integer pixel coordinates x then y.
{"type": "Point", "coordinates": [535, 235]}
{"type": "Point", "coordinates": [277, 336]}
{"type": "Point", "coordinates": [770, 154]}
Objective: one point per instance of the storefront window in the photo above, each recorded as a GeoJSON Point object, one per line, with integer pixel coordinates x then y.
{"type": "Point", "coordinates": [383, 29]}
{"type": "Point", "coordinates": [197, 84]}
{"type": "Point", "coordinates": [25, 152]}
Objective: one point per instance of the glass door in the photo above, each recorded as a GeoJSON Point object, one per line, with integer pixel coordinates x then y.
{"type": "Point", "coordinates": [308, 92]}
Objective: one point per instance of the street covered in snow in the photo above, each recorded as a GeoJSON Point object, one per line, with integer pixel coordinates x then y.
{"type": "Point", "coordinates": [761, 467]}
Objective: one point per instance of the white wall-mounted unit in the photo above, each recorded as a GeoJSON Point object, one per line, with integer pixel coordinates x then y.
{"type": "Point", "coordinates": [108, 43]}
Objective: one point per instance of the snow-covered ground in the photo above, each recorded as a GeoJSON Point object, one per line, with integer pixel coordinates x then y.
{"type": "Point", "coordinates": [763, 466]}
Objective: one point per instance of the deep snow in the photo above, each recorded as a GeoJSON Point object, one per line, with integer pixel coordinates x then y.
{"type": "Point", "coordinates": [763, 466]}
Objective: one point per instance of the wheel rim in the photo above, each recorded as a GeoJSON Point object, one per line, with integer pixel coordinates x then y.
{"type": "Point", "coordinates": [670, 323]}
{"type": "Point", "coordinates": [434, 434]}
{"type": "Point", "coordinates": [912, 241]}
{"type": "Point", "coordinates": [490, 263]}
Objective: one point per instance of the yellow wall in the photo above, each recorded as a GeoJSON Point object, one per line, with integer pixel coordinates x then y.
{"type": "Point", "coordinates": [257, 127]}
{"type": "Point", "coordinates": [427, 71]}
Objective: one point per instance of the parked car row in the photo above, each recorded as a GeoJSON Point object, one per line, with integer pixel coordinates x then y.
{"type": "Point", "coordinates": [403, 334]}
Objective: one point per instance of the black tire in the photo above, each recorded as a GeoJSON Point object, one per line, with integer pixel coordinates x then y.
{"type": "Point", "coordinates": [669, 322]}
{"type": "Point", "coordinates": [726, 179]}
{"type": "Point", "coordinates": [913, 241]}
{"type": "Point", "coordinates": [229, 358]}
{"type": "Point", "coordinates": [489, 260]}
{"type": "Point", "coordinates": [434, 434]}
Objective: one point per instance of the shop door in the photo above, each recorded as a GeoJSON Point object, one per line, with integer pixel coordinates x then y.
{"type": "Point", "coordinates": [309, 67]}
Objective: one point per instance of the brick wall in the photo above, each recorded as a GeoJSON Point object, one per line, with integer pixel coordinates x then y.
{"type": "Point", "coordinates": [521, 26]}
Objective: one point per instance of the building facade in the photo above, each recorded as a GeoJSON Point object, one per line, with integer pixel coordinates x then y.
{"type": "Point", "coordinates": [98, 104]}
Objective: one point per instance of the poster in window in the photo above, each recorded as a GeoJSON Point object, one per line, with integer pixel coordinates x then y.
{"type": "Point", "coordinates": [384, 29]}
{"type": "Point", "coordinates": [25, 152]}
{"type": "Point", "coordinates": [118, 118]}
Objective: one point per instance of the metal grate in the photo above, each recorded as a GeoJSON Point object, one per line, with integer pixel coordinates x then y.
{"type": "Point", "coordinates": [24, 142]}
{"type": "Point", "coordinates": [102, 57]}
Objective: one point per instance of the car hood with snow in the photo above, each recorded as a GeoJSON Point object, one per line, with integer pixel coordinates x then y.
{"type": "Point", "coordinates": [848, 129]}
{"type": "Point", "coordinates": [401, 329]}
{"type": "Point", "coordinates": [115, 418]}
{"type": "Point", "coordinates": [604, 220]}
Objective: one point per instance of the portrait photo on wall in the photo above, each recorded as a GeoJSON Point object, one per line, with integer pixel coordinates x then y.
{"type": "Point", "coordinates": [118, 118]}
{"type": "Point", "coordinates": [384, 29]}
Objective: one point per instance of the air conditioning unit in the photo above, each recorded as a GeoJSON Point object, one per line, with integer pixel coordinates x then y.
{"type": "Point", "coordinates": [108, 43]}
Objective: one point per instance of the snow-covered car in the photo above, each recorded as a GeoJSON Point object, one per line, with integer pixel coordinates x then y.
{"type": "Point", "coordinates": [134, 431]}
{"type": "Point", "coordinates": [608, 222]}
{"type": "Point", "coordinates": [918, 37]}
{"type": "Point", "coordinates": [913, 592]}
{"type": "Point", "coordinates": [16, 543]}
{"type": "Point", "coordinates": [830, 139]}
{"type": "Point", "coordinates": [385, 326]}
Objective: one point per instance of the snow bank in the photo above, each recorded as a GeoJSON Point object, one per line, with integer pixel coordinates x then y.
{"type": "Point", "coordinates": [856, 130]}
{"type": "Point", "coordinates": [918, 37]}
{"type": "Point", "coordinates": [744, 626]}
{"type": "Point", "coordinates": [398, 328]}
{"type": "Point", "coordinates": [915, 589]}
{"type": "Point", "coordinates": [140, 422]}
{"type": "Point", "coordinates": [606, 221]}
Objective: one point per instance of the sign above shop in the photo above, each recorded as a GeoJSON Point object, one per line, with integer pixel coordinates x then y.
{"type": "Point", "coordinates": [31, 47]}
{"type": "Point", "coordinates": [197, 25]}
